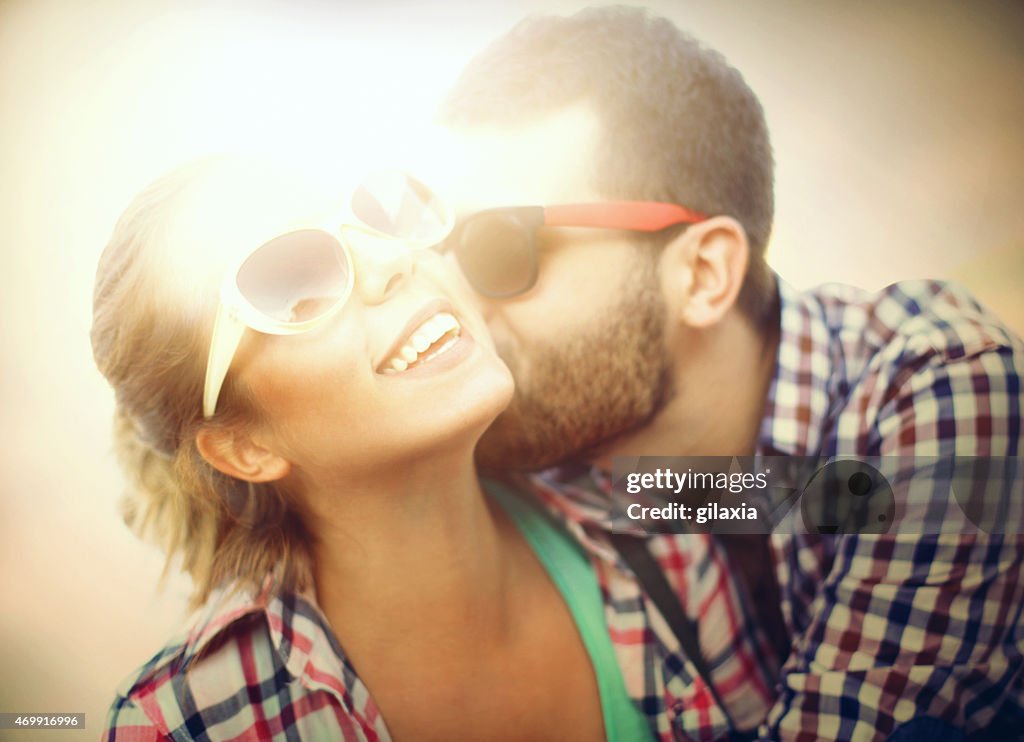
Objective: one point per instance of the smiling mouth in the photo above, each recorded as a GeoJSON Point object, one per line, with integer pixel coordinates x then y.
{"type": "Point", "coordinates": [435, 336]}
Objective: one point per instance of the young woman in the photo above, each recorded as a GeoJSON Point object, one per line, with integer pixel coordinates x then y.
{"type": "Point", "coordinates": [300, 385]}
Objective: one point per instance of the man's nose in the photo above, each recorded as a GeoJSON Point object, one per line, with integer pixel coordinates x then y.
{"type": "Point", "coordinates": [382, 267]}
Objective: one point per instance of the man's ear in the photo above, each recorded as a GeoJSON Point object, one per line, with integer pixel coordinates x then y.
{"type": "Point", "coordinates": [703, 269]}
{"type": "Point", "coordinates": [236, 454]}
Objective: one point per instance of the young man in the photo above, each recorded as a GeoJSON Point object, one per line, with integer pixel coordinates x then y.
{"type": "Point", "coordinates": [630, 340]}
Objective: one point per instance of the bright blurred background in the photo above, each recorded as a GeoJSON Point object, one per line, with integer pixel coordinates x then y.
{"type": "Point", "coordinates": [897, 132]}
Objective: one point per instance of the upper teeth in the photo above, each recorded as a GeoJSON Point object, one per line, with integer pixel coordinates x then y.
{"type": "Point", "coordinates": [422, 338]}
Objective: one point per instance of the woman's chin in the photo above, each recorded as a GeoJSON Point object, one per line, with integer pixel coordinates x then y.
{"type": "Point", "coordinates": [482, 399]}
{"type": "Point", "coordinates": [449, 426]}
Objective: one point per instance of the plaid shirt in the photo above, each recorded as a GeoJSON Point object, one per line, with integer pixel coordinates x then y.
{"type": "Point", "coordinates": [889, 627]}
{"type": "Point", "coordinates": [884, 628]}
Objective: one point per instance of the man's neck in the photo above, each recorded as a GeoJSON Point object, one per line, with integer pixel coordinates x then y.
{"type": "Point", "coordinates": [721, 382]}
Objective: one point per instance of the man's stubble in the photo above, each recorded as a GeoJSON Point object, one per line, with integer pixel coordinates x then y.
{"type": "Point", "coordinates": [575, 396]}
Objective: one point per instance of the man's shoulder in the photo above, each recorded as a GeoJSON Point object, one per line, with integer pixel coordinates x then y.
{"type": "Point", "coordinates": [911, 318]}
{"type": "Point", "coordinates": [906, 333]}
{"type": "Point", "coordinates": [919, 366]}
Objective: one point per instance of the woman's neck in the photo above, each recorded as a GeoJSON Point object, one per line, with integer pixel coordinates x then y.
{"type": "Point", "coordinates": [418, 552]}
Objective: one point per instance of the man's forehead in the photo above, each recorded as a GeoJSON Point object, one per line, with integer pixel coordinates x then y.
{"type": "Point", "coordinates": [542, 161]}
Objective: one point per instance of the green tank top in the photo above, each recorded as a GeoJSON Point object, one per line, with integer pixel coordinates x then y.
{"type": "Point", "coordinates": [573, 575]}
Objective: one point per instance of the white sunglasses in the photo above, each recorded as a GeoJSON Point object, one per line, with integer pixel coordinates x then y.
{"type": "Point", "coordinates": [298, 280]}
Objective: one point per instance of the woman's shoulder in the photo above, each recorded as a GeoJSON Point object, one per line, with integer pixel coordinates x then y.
{"type": "Point", "coordinates": [203, 675]}
{"type": "Point", "coordinates": [143, 701]}
{"type": "Point", "coordinates": [264, 667]}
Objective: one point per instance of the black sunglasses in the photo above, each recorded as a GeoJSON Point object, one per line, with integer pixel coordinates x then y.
{"type": "Point", "coordinates": [496, 248]}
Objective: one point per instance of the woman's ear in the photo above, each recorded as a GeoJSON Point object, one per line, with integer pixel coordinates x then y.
{"type": "Point", "coordinates": [703, 269]}
{"type": "Point", "coordinates": [236, 454]}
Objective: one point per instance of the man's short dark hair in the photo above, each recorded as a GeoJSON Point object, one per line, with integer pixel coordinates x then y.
{"type": "Point", "coordinates": [679, 123]}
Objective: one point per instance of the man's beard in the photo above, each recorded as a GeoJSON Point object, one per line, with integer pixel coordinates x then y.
{"type": "Point", "coordinates": [583, 392]}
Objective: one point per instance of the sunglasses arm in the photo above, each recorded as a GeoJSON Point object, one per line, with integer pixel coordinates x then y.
{"type": "Point", "coordinates": [641, 216]}
{"type": "Point", "coordinates": [227, 334]}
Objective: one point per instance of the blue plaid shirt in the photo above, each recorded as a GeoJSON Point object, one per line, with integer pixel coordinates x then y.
{"type": "Point", "coordinates": [890, 627]}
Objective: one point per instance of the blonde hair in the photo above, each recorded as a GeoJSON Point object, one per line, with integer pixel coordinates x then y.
{"type": "Point", "coordinates": [152, 349]}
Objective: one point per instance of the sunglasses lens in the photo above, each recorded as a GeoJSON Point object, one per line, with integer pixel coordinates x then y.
{"type": "Point", "coordinates": [296, 277]}
{"type": "Point", "coordinates": [398, 205]}
{"type": "Point", "coordinates": [496, 255]}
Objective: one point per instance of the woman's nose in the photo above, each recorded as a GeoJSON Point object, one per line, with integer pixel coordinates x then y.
{"type": "Point", "coordinates": [382, 266]}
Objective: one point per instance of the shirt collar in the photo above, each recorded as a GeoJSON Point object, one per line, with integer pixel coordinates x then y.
{"type": "Point", "coordinates": [581, 497]}
{"type": "Point", "coordinates": [224, 609]}
{"type": "Point", "coordinates": [797, 402]}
